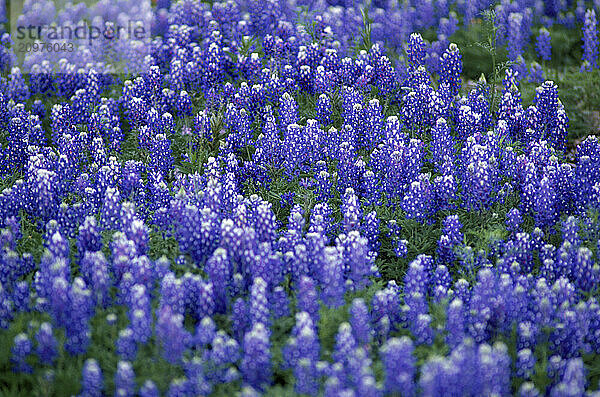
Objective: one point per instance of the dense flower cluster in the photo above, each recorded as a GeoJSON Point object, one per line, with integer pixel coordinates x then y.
{"type": "Point", "coordinates": [438, 235]}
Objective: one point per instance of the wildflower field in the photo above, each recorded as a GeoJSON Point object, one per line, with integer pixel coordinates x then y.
{"type": "Point", "coordinates": [299, 197]}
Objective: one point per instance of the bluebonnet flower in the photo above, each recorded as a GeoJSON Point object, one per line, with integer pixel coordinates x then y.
{"type": "Point", "coordinates": [400, 366]}
{"type": "Point", "coordinates": [18, 90]}
{"type": "Point", "coordinates": [21, 349]}
{"type": "Point", "coordinates": [198, 296]}
{"type": "Point", "coordinates": [552, 121]}
{"type": "Point", "coordinates": [332, 277]}
{"type": "Point", "coordinates": [111, 319]}
{"type": "Point", "coordinates": [205, 332]}
{"type": "Point", "coordinates": [196, 232]}
{"type": "Point", "coordinates": [334, 387]}
{"type": "Point", "coordinates": [386, 76]}
{"type": "Point", "coordinates": [149, 389]}
{"type": "Point", "coordinates": [357, 261]}
{"type": "Point", "coordinates": [307, 298]}
{"type": "Point", "coordinates": [47, 346]}
{"type": "Point", "coordinates": [280, 305]}
{"type": "Point", "coordinates": [219, 270]}
{"type": "Point", "coordinates": [573, 381]}
{"type": "Point", "coordinates": [455, 322]}
{"type": "Point", "coordinates": [373, 124]}
{"type": "Point", "coordinates": [92, 383]}
{"type": "Point", "coordinates": [345, 344]}
{"type": "Point", "coordinates": [590, 42]}
{"type": "Point", "coordinates": [441, 282]}
{"type": "Point", "coordinates": [515, 34]}
{"type": "Point", "coordinates": [480, 174]}
{"type": "Point", "coordinates": [414, 111]}
{"type": "Point", "coordinates": [124, 379]}
{"type": "Point", "coordinates": [528, 389]}
{"type": "Point", "coordinates": [202, 126]}
{"type": "Point", "coordinates": [536, 73]}
{"type": "Point", "coordinates": [323, 183]}
{"type": "Point", "coordinates": [360, 374]}
{"type": "Point", "coordinates": [415, 50]}
{"type": "Point", "coordinates": [259, 305]}
{"type": "Point", "coordinates": [451, 238]}
{"type": "Point", "coordinates": [88, 238]}
{"type": "Point", "coordinates": [172, 335]}
{"type": "Point", "coordinates": [196, 380]}
{"type": "Point", "coordinates": [449, 24]}
{"type": "Point", "coordinates": [323, 109]}
{"type": "Point", "coordinates": [545, 208]}
{"type": "Point", "coordinates": [184, 104]}
{"type": "Point", "coordinates": [256, 364]}
{"type": "Point", "coordinates": [418, 201]}
{"type": "Point", "coordinates": [126, 346]}
{"type": "Point", "coordinates": [161, 158]}
{"type": "Point", "coordinates": [225, 351]}
{"type": "Point", "coordinates": [370, 229]}
{"type": "Point", "coordinates": [140, 315]}
{"type": "Point", "coordinates": [525, 363]}
{"type": "Point", "coordinates": [239, 317]}
{"type": "Point", "coordinates": [349, 168]}
{"type": "Point", "coordinates": [520, 68]}
{"type": "Point", "coordinates": [288, 112]}
{"type": "Point", "coordinates": [451, 68]}
{"type": "Point", "coordinates": [180, 387]}
{"type": "Point", "coordinates": [80, 312]}
{"type": "Point", "coordinates": [543, 45]}
{"type": "Point", "coordinates": [110, 209]}
{"type": "Point", "coordinates": [513, 220]}
{"type": "Point", "coordinates": [445, 189]}
{"type": "Point", "coordinates": [418, 275]}
{"type": "Point", "coordinates": [21, 296]}
{"type": "Point", "coordinates": [495, 368]}
{"type": "Point", "coordinates": [302, 354]}
{"type": "Point", "coordinates": [421, 329]}
{"type": "Point", "coordinates": [401, 248]}
{"type": "Point", "coordinates": [442, 144]}
{"type": "Point", "coordinates": [360, 321]}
